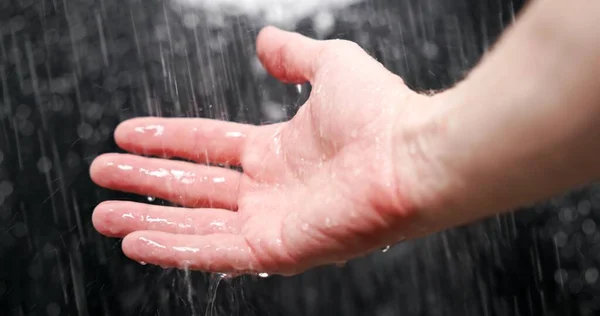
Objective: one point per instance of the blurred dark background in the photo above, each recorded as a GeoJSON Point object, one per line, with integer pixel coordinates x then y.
{"type": "Point", "coordinates": [71, 70]}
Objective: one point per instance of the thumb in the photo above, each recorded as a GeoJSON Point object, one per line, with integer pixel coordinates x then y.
{"type": "Point", "coordinates": [289, 57]}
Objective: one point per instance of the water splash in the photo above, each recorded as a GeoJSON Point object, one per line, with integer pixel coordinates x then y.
{"type": "Point", "coordinates": [190, 290]}
{"type": "Point", "coordinates": [213, 286]}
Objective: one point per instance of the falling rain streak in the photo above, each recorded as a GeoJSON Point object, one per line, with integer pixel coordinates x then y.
{"type": "Point", "coordinates": [71, 70]}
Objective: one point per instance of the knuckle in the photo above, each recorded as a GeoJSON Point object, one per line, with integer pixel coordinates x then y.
{"type": "Point", "coordinates": [334, 50]}
{"type": "Point", "coordinates": [332, 53]}
{"type": "Point", "coordinates": [345, 46]}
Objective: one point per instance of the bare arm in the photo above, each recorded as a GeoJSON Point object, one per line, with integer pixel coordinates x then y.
{"type": "Point", "coordinates": [525, 124]}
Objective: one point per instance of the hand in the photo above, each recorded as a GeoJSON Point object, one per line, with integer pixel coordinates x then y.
{"type": "Point", "coordinates": [321, 188]}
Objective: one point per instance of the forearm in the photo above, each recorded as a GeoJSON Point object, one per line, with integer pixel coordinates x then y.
{"type": "Point", "coordinates": [525, 124]}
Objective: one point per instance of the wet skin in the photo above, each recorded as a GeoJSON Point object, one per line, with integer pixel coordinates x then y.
{"type": "Point", "coordinates": [365, 162]}
{"type": "Point", "coordinates": [318, 189]}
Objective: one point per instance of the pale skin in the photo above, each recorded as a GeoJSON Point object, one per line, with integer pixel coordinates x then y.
{"type": "Point", "coordinates": [366, 162]}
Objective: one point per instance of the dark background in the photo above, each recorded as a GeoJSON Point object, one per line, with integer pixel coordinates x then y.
{"type": "Point", "coordinates": [71, 70]}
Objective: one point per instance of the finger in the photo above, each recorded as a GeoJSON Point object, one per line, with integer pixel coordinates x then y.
{"type": "Point", "coordinates": [180, 182]}
{"type": "Point", "coordinates": [289, 57]}
{"type": "Point", "coordinates": [120, 218]}
{"type": "Point", "coordinates": [202, 140]}
{"type": "Point", "coordinates": [210, 253]}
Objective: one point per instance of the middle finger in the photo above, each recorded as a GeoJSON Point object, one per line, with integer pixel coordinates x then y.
{"type": "Point", "coordinates": [183, 183]}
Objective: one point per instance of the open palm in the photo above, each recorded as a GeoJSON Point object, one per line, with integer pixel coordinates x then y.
{"type": "Point", "coordinates": [318, 189]}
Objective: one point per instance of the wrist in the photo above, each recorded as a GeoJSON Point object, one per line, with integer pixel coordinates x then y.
{"type": "Point", "coordinates": [445, 165]}
{"type": "Point", "coordinates": [424, 179]}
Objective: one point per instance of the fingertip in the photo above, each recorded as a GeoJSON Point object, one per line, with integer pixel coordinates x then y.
{"type": "Point", "coordinates": [125, 129]}
{"type": "Point", "coordinates": [131, 243]}
{"type": "Point", "coordinates": [147, 247]}
{"type": "Point", "coordinates": [96, 168]}
{"type": "Point", "coordinates": [270, 28]}
{"type": "Point", "coordinates": [101, 217]}
{"type": "Point", "coordinates": [264, 42]}
{"type": "Point", "coordinates": [121, 131]}
{"type": "Point", "coordinates": [99, 166]}
{"type": "Point", "coordinates": [263, 36]}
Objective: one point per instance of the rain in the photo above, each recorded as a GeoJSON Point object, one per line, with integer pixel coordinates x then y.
{"type": "Point", "coordinates": [71, 70]}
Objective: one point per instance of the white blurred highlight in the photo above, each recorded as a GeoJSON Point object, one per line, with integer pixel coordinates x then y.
{"type": "Point", "coordinates": [282, 13]}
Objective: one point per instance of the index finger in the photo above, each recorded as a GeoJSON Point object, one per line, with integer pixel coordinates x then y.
{"type": "Point", "coordinates": [197, 139]}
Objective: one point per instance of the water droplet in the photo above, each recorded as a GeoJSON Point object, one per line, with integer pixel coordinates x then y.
{"type": "Point", "coordinates": [591, 275]}
{"type": "Point", "coordinates": [588, 226]}
{"type": "Point", "coordinates": [561, 276]}
{"type": "Point", "coordinates": [584, 207]}
{"type": "Point", "coordinates": [323, 22]}
{"type": "Point", "coordinates": [430, 50]}
{"type": "Point", "coordinates": [190, 289]}
{"type": "Point", "coordinates": [305, 227]}
{"type": "Point", "coordinates": [23, 111]}
{"type": "Point", "coordinates": [213, 285]}
{"type": "Point", "coordinates": [191, 20]}
{"type": "Point", "coordinates": [157, 129]}
{"type": "Point", "coordinates": [219, 180]}
{"type": "Point", "coordinates": [561, 239]}
{"type": "Point", "coordinates": [567, 215]}
{"type": "Point", "coordinates": [85, 131]}
{"type": "Point", "coordinates": [234, 135]}
{"type": "Point", "coordinates": [151, 199]}
{"type": "Point", "coordinates": [44, 164]}
{"type": "Point", "coordinates": [386, 248]}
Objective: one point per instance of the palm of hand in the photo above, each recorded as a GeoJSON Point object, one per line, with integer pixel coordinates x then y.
{"type": "Point", "coordinates": [317, 189]}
